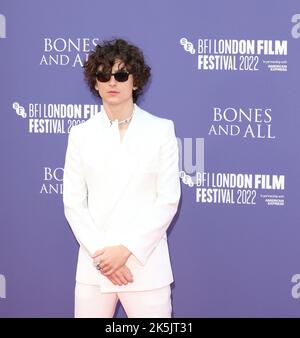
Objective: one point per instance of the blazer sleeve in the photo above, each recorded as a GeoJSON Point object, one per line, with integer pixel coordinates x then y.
{"type": "Point", "coordinates": [75, 198]}
{"type": "Point", "coordinates": [152, 225]}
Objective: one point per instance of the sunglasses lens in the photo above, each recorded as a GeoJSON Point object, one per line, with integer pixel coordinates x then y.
{"type": "Point", "coordinates": [121, 76]}
{"type": "Point", "coordinates": [103, 77]}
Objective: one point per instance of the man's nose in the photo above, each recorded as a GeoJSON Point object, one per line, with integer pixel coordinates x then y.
{"type": "Point", "coordinates": [112, 81]}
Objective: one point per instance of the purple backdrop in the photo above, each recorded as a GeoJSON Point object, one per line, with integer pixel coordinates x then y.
{"type": "Point", "coordinates": [227, 73]}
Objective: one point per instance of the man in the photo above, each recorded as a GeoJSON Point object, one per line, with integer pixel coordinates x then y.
{"type": "Point", "coordinates": [121, 192]}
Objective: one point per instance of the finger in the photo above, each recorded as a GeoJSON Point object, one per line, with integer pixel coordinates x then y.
{"type": "Point", "coordinates": [96, 261]}
{"type": "Point", "coordinates": [126, 268]}
{"type": "Point", "coordinates": [107, 268]}
{"type": "Point", "coordinates": [121, 277]}
{"type": "Point", "coordinates": [104, 265]}
{"type": "Point", "coordinates": [128, 275]}
{"type": "Point", "coordinates": [108, 271]}
{"type": "Point", "coordinates": [112, 279]}
{"type": "Point", "coordinates": [97, 253]}
{"type": "Point", "coordinates": [117, 279]}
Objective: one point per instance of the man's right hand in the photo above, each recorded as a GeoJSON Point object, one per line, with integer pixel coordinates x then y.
{"type": "Point", "coordinates": [122, 276]}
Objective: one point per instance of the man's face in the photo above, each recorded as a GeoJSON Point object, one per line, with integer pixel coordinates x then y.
{"type": "Point", "coordinates": [113, 92]}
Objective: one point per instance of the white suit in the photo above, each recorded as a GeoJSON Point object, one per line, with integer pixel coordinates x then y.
{"type": "Point", "coordinates": [123, 193]}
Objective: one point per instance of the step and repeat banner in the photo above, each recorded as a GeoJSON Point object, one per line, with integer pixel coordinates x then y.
{"type": "Point", "coordinates": [227, 73]}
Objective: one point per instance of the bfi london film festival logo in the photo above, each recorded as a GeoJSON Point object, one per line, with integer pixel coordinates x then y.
{"type": "Point", "coordinates": [2, 26]}
{"type": "Point", "coordinates": [238, 55]}
{"type": "Point", "coordinates": [2, 286]}
{"type": "Point", "coordinates": [54, 118]}
{"type": "Point", "coordinates": [236, 188]}
{"type": "Point", "coordinates": [66, 52]}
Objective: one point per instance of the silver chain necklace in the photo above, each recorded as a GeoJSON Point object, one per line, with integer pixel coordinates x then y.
{"type": "Point", "coordinates": [122, 121]}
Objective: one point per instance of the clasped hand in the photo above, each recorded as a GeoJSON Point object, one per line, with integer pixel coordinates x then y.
{"type": "Point", "coordinates": [111, 261]}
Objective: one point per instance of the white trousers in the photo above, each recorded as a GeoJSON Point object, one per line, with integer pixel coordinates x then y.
{"type": "Point", "coordinates": [92, 303]}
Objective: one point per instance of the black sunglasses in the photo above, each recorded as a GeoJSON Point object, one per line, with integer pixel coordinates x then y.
{"type": "Point", "coordinates": [120, 76]}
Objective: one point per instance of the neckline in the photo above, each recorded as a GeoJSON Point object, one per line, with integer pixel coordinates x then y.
{"type": "Point", "coordinates": [111, 123]}
{"type": "Point", "coordinates": [114, 127]}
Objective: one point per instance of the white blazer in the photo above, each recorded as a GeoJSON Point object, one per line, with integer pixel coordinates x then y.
{"type": "Point", "coordinates": [123, 193]}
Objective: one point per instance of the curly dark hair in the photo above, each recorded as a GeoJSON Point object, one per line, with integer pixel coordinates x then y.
{"type": "Point", "coordinates": [107, 53]}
